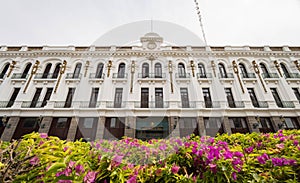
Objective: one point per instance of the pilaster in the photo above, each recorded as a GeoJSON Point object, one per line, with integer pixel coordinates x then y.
{"type": "Point", "coordinates": [45, 125]}
{"type": "Point", "coordinates": [100, 128]}
{"type": "Point", "coordinates": [72, 129]}
{"type": "Point", "coordinates": [10, 128]}
{"type": "Point", "coordinates": [226, 125]}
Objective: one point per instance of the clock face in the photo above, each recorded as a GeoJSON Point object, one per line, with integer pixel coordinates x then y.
{"type": "Point", "coordinates": [151, 45]}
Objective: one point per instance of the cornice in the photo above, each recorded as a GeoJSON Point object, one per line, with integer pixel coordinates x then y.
{"type": "Point", "coordinates": [141, 53]}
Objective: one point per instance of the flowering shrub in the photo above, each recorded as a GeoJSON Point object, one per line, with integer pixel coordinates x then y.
{"type": "Point", "coordinates": [226, 158]}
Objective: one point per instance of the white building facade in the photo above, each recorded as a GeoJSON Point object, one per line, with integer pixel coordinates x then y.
{"type": "Point", "coordinates": [151, 90]}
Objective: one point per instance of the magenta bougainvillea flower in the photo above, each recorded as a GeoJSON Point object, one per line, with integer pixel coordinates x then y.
{"type": "Point", "coordinates": [34, 161]}
{"type": "Point", "coordinates": [90, 177]}
{"type": "Point", "coordinates": [175, 169]}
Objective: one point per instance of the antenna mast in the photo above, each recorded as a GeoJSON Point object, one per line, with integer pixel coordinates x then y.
{"type": "Point", "coordinates": [200, 21]}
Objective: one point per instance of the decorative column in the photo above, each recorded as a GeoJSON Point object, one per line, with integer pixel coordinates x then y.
{"type": "Point", "coordinates": [87, 64]}
{"type": "Point", "coordinates": [72, 129]}
{"type": "Point", "coordinates": [257, 71]}
{"type": "Point", "coordinates": [253, 123]}
{"type": "Point", "coordinates": [33, 71]}
{"type": "Point", "coordinates": [226, 125]}
{"type": "Point", "coordinates": [236, 71]}
{"type": "Point", "coordinates": [61, 72]}
{"type": "Point", "coordinates": [109, 65]}
{"type": "Point", "coordinates": [171, 78]}
{"type": "Point", "coordinates": [278, 67]}
{"type": "Point", "coordinates": [132, 74]}
{"type": "Point", "coordinates": [10, 128]}
{"type": "Point", "coordinates": [201, 126]}
{"type": "Point", "coordinates": [130, 126]}
{"type": "Point", "coordinates": [11, 67]}
{"type": "Point", "coordinates": [100, 128]}
{"type": "Point", "coordinates": [297, 64]}
{"type": "Point", "coordinates": [45, 125]}
{"type": "Point", "coordinates": [213, 66]}
{"type": "Point", "coordinates": [193, 68]}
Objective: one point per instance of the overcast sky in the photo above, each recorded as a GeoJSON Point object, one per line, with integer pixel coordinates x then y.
{"type": "Point", "coordinates": [81, 22]}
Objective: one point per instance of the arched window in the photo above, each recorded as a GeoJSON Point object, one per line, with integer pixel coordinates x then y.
{"type": "Point", "coordinates": [145, 70]}
{"type": "Point", "coordinates": [47, 70]}
{"type": "Point", "coordinates": [77, 70]}
{"type": "Point", "coordinates": [285, 71]}
{"type": "Point", "coordinates": [181, 70]}
{"type": "Point", "coordinates": [264, 70]}
{"type": "Point", "coordinates": [4, 70]}
{"type": "Point", "coordinates": [121, 70]}
{"type": "Point", "coordinates": [99, 71]}
{"type": "Point", "coordinates": [26, 70]}
{"type": "Point", "coordinates": [222, 70]}
{"type": "Point", "coordinates": [157, 70]}
{"type": "Point", "coordinates": [202, 73]}
{"type": "Point", "coordinates": [56, 71]}
{"type": "Point", "coordinates": [243, 70]}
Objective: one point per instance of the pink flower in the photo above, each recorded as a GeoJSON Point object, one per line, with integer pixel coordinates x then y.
{"type": "Point", "coordinates": [34, 161]}
{"type": "Point", "coordinates": [79, 169]}
{"type": "Point", "coordinates": [66, 148]}
{"type": "Point", "coordinates": [233, 175]}
{"type": "Point", "coordinates": [213, 167]}
{"type": "Point", "coordinates": [71, 164]}
{"type": "Point", "coordinates": [175, 169]}
{"type": "Point", "coordinates": [64, 181]}
{"type": "Point", "coordinates": [132, 180]}
{"type": "Point", "coordinates": [279, 146]}
{"type": "Point", "coordinates": [296, 142]}
{"type": "Point", "coordinates": [90, 177]}
{"type": "Point", "coordinates": [248, 150]}
{"type": "Point", "coordinates": [43, 135]}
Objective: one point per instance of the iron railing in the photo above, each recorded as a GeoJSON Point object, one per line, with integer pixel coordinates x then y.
{"type": "Point", "coordinates": [151, 75]}
{"type": "Point", "coordinates": [73, 76]}
{"type": "Point", "coordinates": [227, 75]}
{"type": "Point", "coordinates": [182, 75]}
{"type": "Point", "coordinates": [96, 76]}
{"type": "Point", "coordinates": [19, 76]}
{"type": "Point", "coordinates": [248, 75]}
{"type": "Point", "coordinates": [120, 75]}
{"type": "Point", "coordinates": [151, 104]}
{"type": "Point", "coordinates": [270, 75]}
{"type": "Point", "coordinates": [260, 104]}
{"type": "Point", "coordinates": [45, 76]}
{"type": "Point", "coordinates": [206, 75]}
{"type": "Point", "coordinates": [236, 104]}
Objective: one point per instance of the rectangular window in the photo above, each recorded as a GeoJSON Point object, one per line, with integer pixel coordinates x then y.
{"type": "Point", "coordinates": [297, 94]}
{"type": "Point", "coordinates": [238, 123]}
{"type": "Point", "coordinates": [29, 122]}
{"type": "Point", "coordinates": [291, 123]}
{"type": "Point", "coordinates": [88, 123]}
{"type": "Point", "coordinates": [113, 123]}
{"type": "Point", "coordinates": [47, 96]}
{"type": "Point", "coordinates": [13, 97]}
{"type": "Point", "coordinates": [69, 98]}
{"type": "Point", "coordinates": [145, 98]}
{"type": "Point", "coordinates": [36, 97]}
{"type": "Point", "coordinates": [207, 98]}
{"type": "Point", "coordinates": [159, 101]}
{"type": "Point", "coordinates": [185, 102]}
{"type": "Point", "coordinates": [61, 122]}
{"type": "Point", "coordinates": [94, 97]}
{"type": "Point", "coordinates": [118, 98]}
{"type": "Point", "coordinates": [253, 97]}
{"type": "Point", "coordinates": [229, 97]}
{"type": "Point", "coordinates": [276, 97]}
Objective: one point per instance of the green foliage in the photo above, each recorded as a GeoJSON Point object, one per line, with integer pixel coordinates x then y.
{"type": "Point", "coordinates": [226, 158]}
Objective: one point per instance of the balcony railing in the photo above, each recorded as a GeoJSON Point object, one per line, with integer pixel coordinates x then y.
{"type": "Point", "coordinates": [187, 104]}
{"type": "Point", "coordinates": [260, 104]}
{"type": "Point", "coordinates": [292, 75]}
{"type": "Point", "coordinates": [227, 75]}
{"type": "Point", "coordinates": [151, 75]}
{"type": "Point", "coordinates": [111, 104]}
{"type": "Point", "coordinates": [73, 76]}
{"type": "Point", "coordinates": [19, 76]}
{"type": "Point", "coordinates": [88, 104]}
{"type": "Point", "coordinates": [248, 75]}
{"type": "Point", "coordinates": [3, 104]}
{"type": "Point", "coordinates": [182, 75]}
{"type": "Point", "coordinates": [120, 75]}
{"type": "Point", "coordinates": [236, 104]}
{"type": "Point", "coordinates": [151, 104]}
{"type": "Point", "coordinates": [33, 104]}
{"type": "Point", "coordinates": [97, 76]}
{"type": "Point", "coordinates": [270, 75]}
{"type": "Point", "coordinates": [287, 104]}
{"type": "Point", "coordinates": [63, 104]}
{"type": "Point", "coordinates": [45, 76]}
{"type": "Point", "coordinates": [212, 104]}
{"type": "Point", "coordinates": [206, 75]}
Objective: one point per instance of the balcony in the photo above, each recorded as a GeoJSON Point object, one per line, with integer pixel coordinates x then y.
{"type": "Point", "coordinates": [183, 76]}
{"type": "Point", "coordinates": [33, 104]}
{"type": "Point", "coordinates": [292, 76]}
{"type": "Point", "coordinates": [187, 104]}
{"type": "Point", "coordinates": [270, 75]}
{"type": "Point", "coordinates": [63, 104]}
{"type": "Point", "coordinates": [3, 104]}
{"type": "Point", "coordinates": [248, 76]}
{"type": "Point", "coordinates": [204, 76]}
{"type": "Point", "coordinates": [117, 77]}
{"type": "Point", "coordinates": [96, 78]}
{"type": "Point", "coordinates": [212, 104]}
{"type": "Point", "coordinates": [45, 76]}
{"type": "Point", "coordinates": [19, 78]}
{"type": "Point", "coordinates": [73, 76]}
{"type": "Point", "coordinates": [236, 104]}
{"type": "Point", "coordinates": [151, 75]}
{"type": "Point", "coordinates": [111, 104]}
{"type": "Point", "coordinates": [260, 104]}
{"type": "Point", "coordinates": [151, 104]}
{"type": "Point", "coordinates": [88, 104]}
{"type": "Point", "coordinates": [287, 104]}
{"type": "Point", "coordinates": [226, 76]}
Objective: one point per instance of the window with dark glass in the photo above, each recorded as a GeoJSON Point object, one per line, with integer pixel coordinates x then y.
{"type": "Point", "coordinates": [26, 70]}
{"type": "Point", "coordinates": [285, 71]}
{"type": "Point", "coordinates": [61, 122]}
{"type": "Point", "coordinates": [144, 97]}
{"type": "Point", "coordinates": [265, 125]}
{"type": "Point", "coordinates": [56, 70]}
{"type": "Point", "coordinates": [264, 70]}
{"type": "Point", "coordinates": [185, 102]}
{"type": "Point", "coordinates": [222, 70]}
{"type": "Point", "coordinates": [121, 70]}
{"type": "Point", "coordinates": [29, 122]}
{"type": "Point", "coordinates": [229, 97]}
{"type": "Point", "coordinates": [243, 70]}
{"type": "Point", "coordinates": [47, 96]}
{"type": "Point", "coordinates": [13, 97]}
{"type": "Point", "coordinates": [238, 125]}
{"type": "Point", "coordinates": [47, 70]}
{"type": "Point", "coordinates": [36, 97]}
{"type": "Point", "coordinates": [69, 98]}
{"type": "Point", "coordinates": [291, 123]}
{"type": "Point", "coordinates": [181, 70]}
{"type": "Point", "coordinates": [145, 70]}
{"type": "Point", "coordinates": [202, 72]}
{"type": "Point", "coordinates": [207, 98]}
{"type": "Point", "coordinates": [276, 97]}
{"type": "Point", "coordinates": [159, 101]}
{"type": "Point", "coordinates": [253, 97]}
{"type": "Point", "coordinates": [297, 94]}
{"type": "Point", "coordinates": [99, 71]}
{"type": "Point", "coordinates": [118, 98]}
{"type": "Point", "coordinates": [213, 125]}
{"type": "Point", "coordinates": [4, 70]}
{"type": "Point", "coordinates": [77, 70]}
{"type": "Point", "coordinates": [158, 70]}
{"type": "Point", "coordinates": [94, 97]}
